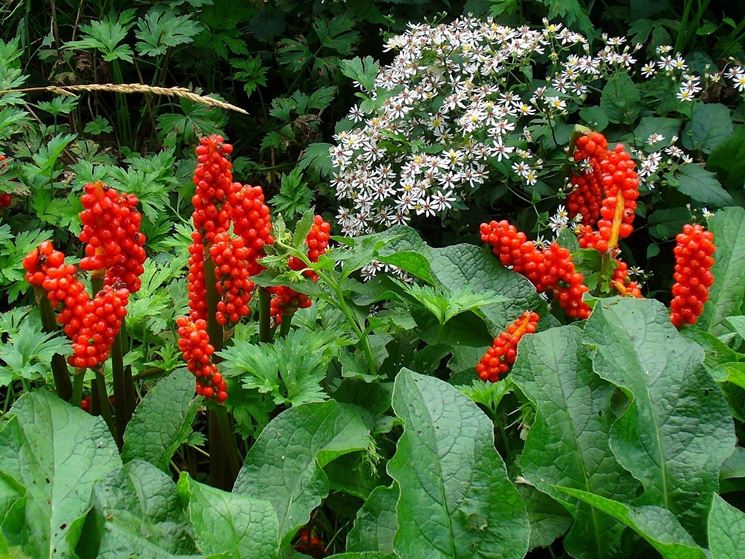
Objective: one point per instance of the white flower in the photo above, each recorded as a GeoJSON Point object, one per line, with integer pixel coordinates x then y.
{"type": "Point", "coordinates": [500, 150]}
{"type": "Point", "coordinates": [356, 114]}
{"type": "Point", "coordinates": [655, 138]}
{"type": "Point", "coordinates": [648, 70]}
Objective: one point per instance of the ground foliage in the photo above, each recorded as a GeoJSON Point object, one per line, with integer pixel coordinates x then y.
{"type": "Point", "coordinates": [359, 427]}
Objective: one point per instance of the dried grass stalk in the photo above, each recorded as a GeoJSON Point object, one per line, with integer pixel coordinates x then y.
{"type": "Point", "coordinates": [131, 88]}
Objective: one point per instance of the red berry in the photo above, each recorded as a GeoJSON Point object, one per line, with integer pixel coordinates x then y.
{"type": "Point", "coordinates": [694, 257]}
{"type": "Point", "coordinates": [499, 358]}
{"type": "Point", "coordinates": [194, 343]}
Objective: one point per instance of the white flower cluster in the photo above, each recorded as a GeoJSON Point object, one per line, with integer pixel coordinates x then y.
{"type": "Point", "coordinates": [457, 101]}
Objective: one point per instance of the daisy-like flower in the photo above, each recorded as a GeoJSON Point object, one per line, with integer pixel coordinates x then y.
{"type": "Point", "coordinates": [648, 70]}
{"type": "Point", "coordinates": [500, 150]}
{"type": "Point", "coordinates": [356, 114]}
{"type": "Point", "coordinates": [655, 138]}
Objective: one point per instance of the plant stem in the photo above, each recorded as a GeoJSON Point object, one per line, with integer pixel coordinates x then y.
{"type": "Point", "coordinates": [265, 331]}
{"type": "Point", "coordinates": [213, 328]}
{"type": "Point", "coordinates": [77, 387]}
{"type": "Point", "coordinates": [121, 390]}
{"type": "Point", "coordinates": [61, 374]}
{"type": "Point", "coordinates": [234, 458]}
{"type": "Point", "coordinates": [99, 386]}
{"type": "Point", "coordinates": [284, 327]}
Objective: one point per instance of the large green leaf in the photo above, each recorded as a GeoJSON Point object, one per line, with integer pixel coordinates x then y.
{"type": "Point", "coordinates": [677, 430]}
{"type": "Point", "coordinates": [702, 185]}
{"type": "Point", "coordinates": [477, 270]}
{"type": "Point", "coordinates": [655, 524]}
{"type": "Point", "coordinates": [726, 530]}
{"type": "Point", "coordinates": [548, 519]}
{"type": "Point", "coordinates": [376, 522]}
{"type": "Point", "coordinates": [728, 292]}
{"type": "Point", "coordinates": [239, 525]}
{"type": "Point", "coordinates": [162, 421]}
{"type": "Point", "coordinates": [568, 444]}
{"type": "Point", "coordinates": [728, 159]}
{"type": "Point", "coordinates": [137, 513]}
{"type": "Point", "coordinates": [285, 464]}
{"type": "Point", "coordinates": [620, 99]}
{"type": "Point", "coordinates": [57, 452]}
{"type": "Point", "coordinates": [710, 124]}
{"type": "Point", "coordinates": [456, 499]}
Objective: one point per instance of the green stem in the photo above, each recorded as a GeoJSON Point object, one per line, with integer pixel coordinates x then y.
{"type": "Point", "coordinates": [284, 327]}
{"type": "Point", "coordinates": [99, 386]}
{"type": "Point", "coordinates": [121, 390]}
{"type": "Point", "coordinates": [223, 423]}
{"type": "Point", "coordinates": [265, 331]}
{"type": "Point", "coordinates": [77, 387]}
{"type": "Point", "coordinates": [122, 109]}
{"type": "Point", "coordinates": [61, 374]}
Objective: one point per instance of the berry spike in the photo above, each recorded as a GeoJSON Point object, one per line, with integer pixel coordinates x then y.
{"type": "Point", "coordinates": [587, 194]}
{"type": "Point", "coordinates": [621, 282]}
{"type": "Point", "coordinates": [498, 359]}
{"type": "Point", "coordinates": [694, 257]}
{"type": "Point", "coordinates": [194, 343]}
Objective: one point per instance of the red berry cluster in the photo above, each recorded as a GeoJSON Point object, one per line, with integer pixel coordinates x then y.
{"type": "Point", "coordinates": [310, 544]}
{"type": "Point", "coordinates": [91, 324]}
{"type": "Point", "coordinates": [551, 269]}
{"type": "Point", "coordinates": [111, 231]}
{"type": "Point", "coordinates": [587, 194]}
{"type": "Point", "coordinates": [194, 343]}
{"type": "Point", "coordinates": [5, 198]}
{"type": "Point", "coordinates": [286, 301]}
{"type": "Point", "coordinates": [621, 282]}
{"type": "Point", "coordinates": [621, 190]}
{"type": "Point", "coordinates": [694, 250]}
{"type": "Point", "coordinates": [213, 179]}
{"type": "Point", "coordinates": [498, 359]}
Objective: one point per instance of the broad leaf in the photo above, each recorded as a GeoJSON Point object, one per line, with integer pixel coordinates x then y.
{"type": "Point", "coordinates": [710, 124]}
{"type": "Point", "coordinates": [57, 452]}
{"type": "Point", "coordinates": [726, 529]}
{"type": "Point", "coordinates": [620, 99]}
{"type": "Point", "coordinates": [677, 430]}
{"type": "Point", "coordinates": [702, 185]}
{"type": "Point", "coordinates": [548, 519]}
{"type": "Point", "coordinates": [648, 125]}
{"type": "Point", "coordinates": [656, 525]}
{"type": "Point", "coordinates": [162, 421]}
{"type": "Point", "coordinates": [568, 445]}
{"type": "Point", "coordinates": [137, 513]}
{"type": "Point", "coordinates": [284, 466]}
{"type": "Point", "coordinates": [476, 269]}
{"type": "Point", "coordinates": [728, 291]}
{"type": "Point", "coordinates": [239, 525]}
{"type": "Point", "coordinates": [728, 159]}
{"type": "Point", "coordinates": [376, 523]}
{"type": "Point", "coordinates": [456, 499]}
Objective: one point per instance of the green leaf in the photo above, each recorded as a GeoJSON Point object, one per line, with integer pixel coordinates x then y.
{"type": "Point", "coordinates": [738, 324]}
{"type": "Point", "coordinates": [362, 70]}
{"type": "Point", "coordinates": [620, 99]}
{"type": "Point", "coordinates": [710, 124]}
{"type": "Point", "coordinates": [568, 445]}
{"type": "Point", "coordinates": [476, 269]}
{"type": "Point", "coordinates": [294, 195]}
{"type": "Point", "coordinates": [664, 224]}
{"type": "Point", "coordinates": [58, 452]}
{"type": "Point", "coordinates": [728, 292]}
{"type": "Point", "coordinates": [648, 125]}
{"type": "Point", "coordinates": [107, 37]}
{"type": "Point", "coordinates": [726, 529]}
{"type": "Point", "coordinates": [594, 117]}
{"type": "Point", "coordinates": [251, 71]}
{"type": "Point", "coordinates": [97, 126]}
{"type": "Point", "coordinates": [239, 525]}
{"type": "Point", "coordinates": [27, 353]}
{"type": "Point", "coordinates": [456, 499]}
{"type": "Point", "coordinates": [316, 156]}
{"type": "Point", "coordinates": [727, 159]}
{"type": "Point", "coordinates": [161, 29]}
{"type": "Point", "coordinates": [284, 466]}
{"type": "Point", "coordinates": [656, 525]}
{"type": "Point", "coordinates": [162, 422]}
{"type": "Point", "coordinates": [548, 519]}
{"type": "Point", "coordinates": [702, 185]}
{"type": "Point", "coordinates": [137, 513]}
{"type": "Point", "coordinates": [376, 523]}
{"type": "Point", "coordinates": [677, 430]}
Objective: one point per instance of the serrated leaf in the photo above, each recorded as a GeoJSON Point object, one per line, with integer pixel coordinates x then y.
{"type": "Point", "coordinates": [702, 185]}
{"type": "Point", "coordinates": [677, 429]}
{"type": "Point", "coordinates": [162, 29]}
{"type": "Point", "coordinates": [728, 292]}
{"type": "Point", "coordinates": [107, 37]}
{"type": "Point", "coordinates": [138, 513]}
{"type": "Point", "coordinates": [239, 525]}
{"type": "Point", "coordinates": [726, 529]}
{"type": "Point", "coordinates": [620, 99]}
{"type": "Point", "coordinates": [57, 452]}
{"type": "Point", "coordinates": [362, 70]}
{"type": "Point", "coordinates": [648, 125]}
{"type": "Point", "coordinates": [162, 422]}
{"type": "Point", "coordinates": [456, 499]}
{"type": "Point", "coordinates": [376, 523]}
{"type": "Point", "coordinates": [655, 524]}
{"type": "Point", "coordinates": [568, 444]}
{"type": "Point", "coordinates": [284, 466]}
{"type": "Point", "coordinates": [316, 156]}
{"type": "Point", "coordinates": [27, 353]}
